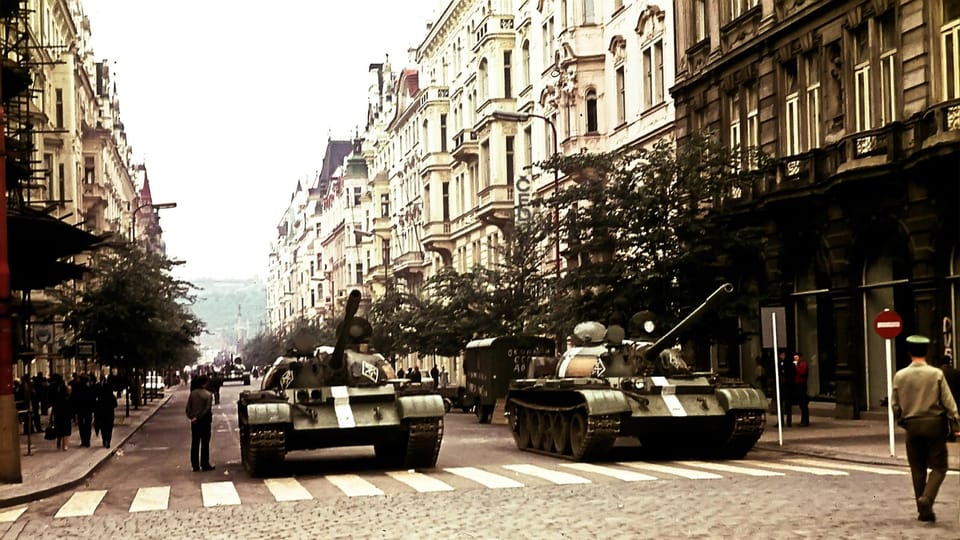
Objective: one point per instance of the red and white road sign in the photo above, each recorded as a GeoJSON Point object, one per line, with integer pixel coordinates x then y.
{"type": "Point", "coordinates": [888, 324]}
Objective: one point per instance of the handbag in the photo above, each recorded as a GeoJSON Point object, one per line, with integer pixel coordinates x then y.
{"type": "Point", "coordinates": [50, 433]}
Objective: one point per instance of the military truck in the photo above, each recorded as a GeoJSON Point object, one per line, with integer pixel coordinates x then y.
{"type": "Point", "coordinates": [490, 364]}
{"type": "Point", "coordinates": [235, 372]}
{"type": "Point", "coordinates": [344, 395]}
{"type": "Point", "coordinates": [607, 386]}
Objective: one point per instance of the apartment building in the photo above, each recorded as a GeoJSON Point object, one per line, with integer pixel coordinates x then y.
{"type": "Point", "coordinates": [858, 102]}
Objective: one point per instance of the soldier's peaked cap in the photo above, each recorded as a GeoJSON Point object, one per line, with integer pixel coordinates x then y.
{"type": "Point", "coordinates": [917, 345]}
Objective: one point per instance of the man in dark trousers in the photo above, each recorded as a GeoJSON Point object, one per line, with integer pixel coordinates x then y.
{"type": "Point", "coordinates": [788, 373]}
{"type": "Point", "coordinates": [200, 412]}
{"type": "Point", "coordinates": [923, 405]}
{"type": "Point", "coordinates": [800, 397]}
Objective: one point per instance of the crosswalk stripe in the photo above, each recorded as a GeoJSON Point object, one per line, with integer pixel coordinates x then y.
{"type": "Point", "coordinates": [151, 498]}
{"type": "Point", "coordinates": [219, 494]}
{"type": "Point", "coordinates": [676, 471]}
{"type": "Point", "coordinates": [724, 467]}
{"type": "Point", "coordinates": [420, 481]}
{"type": "Point", "coordinates": [81, 503]}
{"type": "Point", "coordinates": [796, 468]}
{"type": "Point", "coordinates": [486, 478]}
{"type": "Point", "coordinates": [287, 489]}
{"type": "Point", "coordinates": [550, 475]}
{"type": "Point", "coordinates": [9, 516]}
{"type": "Point", "coordinates": [845, 466]}
{"type": "Point", "coordinates": [619, 474]}
{"type": "Point", "coordinates": [354, 486]}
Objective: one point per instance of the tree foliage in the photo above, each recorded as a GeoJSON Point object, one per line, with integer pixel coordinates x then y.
{"type": "Point", "coordinates": [135, 311]}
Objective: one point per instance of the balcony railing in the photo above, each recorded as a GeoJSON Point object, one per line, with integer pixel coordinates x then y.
{"type": "Point", "coordinates": [465, 145]}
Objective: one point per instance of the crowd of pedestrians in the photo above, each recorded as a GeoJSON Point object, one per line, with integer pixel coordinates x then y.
{"type": "Point", "coordinates": [83, 401]}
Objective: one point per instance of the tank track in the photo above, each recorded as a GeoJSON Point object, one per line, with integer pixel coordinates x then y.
{"type": "Point", "coordinates": [423, 442]}
{"type": "Point", "coordinates": [747, 429]}
{"type": "Point", "coordinates": [564, 432]}
{"type": "Point", "coordinates": [262, 450]}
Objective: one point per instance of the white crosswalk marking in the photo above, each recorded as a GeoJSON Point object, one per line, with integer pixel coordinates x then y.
{"type": "Point", "coordinates": [81, 503]}
{"type": "Point", "coordinates": [620, 474]}
{"type": "Point", "coordinates": [845, 466]}
{"type": "Point", "coordinates": [796, 468]}
{"type": "Point", "coordinates": [550, 475]}
{"type": "Point", "coordinates": [151, 498]}
{"type": "Point", "coordinates": [420, 481]}
{"type": "Point", "coordinates": [11, 515]}
{"type": "Point", "coordinates": [287, 489]}
{"type": "Point", "coordinates": [219, 494]}
{"type": "Point", "coordinates": [724, 467]}
{"type": "Point", "coordinates": [486, 478]}
{"type": "Point", "coordinates": [354, 486]}
{"type": "Point", "coordinates": [676, 471]}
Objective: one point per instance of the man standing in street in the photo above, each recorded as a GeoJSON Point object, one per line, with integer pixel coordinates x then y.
{"type": "Point", "coordinates": [800, 397]}
{"type": "Point", "coordinates": [923, 405]}
{"type": "Point", "coordinates": [200, 413]}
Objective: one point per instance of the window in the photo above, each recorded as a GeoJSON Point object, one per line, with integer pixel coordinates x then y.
{"type": "Point", "coordinates": [384, 205]}
{"type": "Point", "coordinates": [950, 43]}
{"type": "Point", "coordinates": [485, 160]}
{"type": "Point", "coordinates": [563, 14]}
{"type": "Point", "coordinates": [811, 62]}
{"type": "Point", "coordinates": [621, 97]}
{"type": "Point", "coordinates": [443, 133]}
{"type": "Point", "coordinates": [510, 160]}
{"type": "Point", "coordinates": [653, 74]}
{"type": "Point", "coordinates": [59, 108]}
{"type": "Point", "coordinates": [753, 121]}
{"type": "Point", "coordinates": [861, 76]}
{"type": "Point", "coordinates": [525, 52]}
{"type": "Point", "coordinates": [482, 79]}
{"type": "Point", "coordinates": [89, 170]}
{"type": "Point", "coordinates": [733, 110]}
{"type": "Point", "coordinates": [699, 20]}
{"type": "Point", "coordinates": [589, 13]}
{"type": "Point", "coordinates": [48, 174]}
{"type": "Point", "coordinates": [507, 74]}
{"type": "Point", "coordinates": [356, 196]}
{"type": "Point", "coordinates": [426, 136]}
{"type": "Point", "coordinates": [359, 272]}
{"type": "Point", "coordinates": [739, 7]}
{"type": "Point", "coordinates": [591, 102]}
{"type": "Point", "coordinates": [61, 172]}
{"type": "Point", "coordinates": [888, 55]}
{"type": "Point", "coordinates": [445, 195]}
{"type": "Point", "coordinates": [791, 85]}
{"type": "Point", "coordinates": [528, 141]}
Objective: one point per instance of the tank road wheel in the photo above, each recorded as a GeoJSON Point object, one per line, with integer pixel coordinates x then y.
{"type": "Point", "coordinates": [534, 420]}
{"type": "Point", "coordinates": [546, 426]}
{"type": "Point", "coordinates": [521, 432]}
{"type": "Point", "coordinates": [560, 431]}
{"type": "Point", "coordinates": [578, 434]}
{"type": "Point", "coordinates": [260, 459]}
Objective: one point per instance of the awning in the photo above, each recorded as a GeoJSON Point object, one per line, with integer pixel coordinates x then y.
{"type": "Point", "coordinates": [36, 243]}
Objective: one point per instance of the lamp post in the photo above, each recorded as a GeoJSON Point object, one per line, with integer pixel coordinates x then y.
{"type": "Point", "coordinates": [523, 117]}
{"type": "Point", "coordinates": [133, 220]}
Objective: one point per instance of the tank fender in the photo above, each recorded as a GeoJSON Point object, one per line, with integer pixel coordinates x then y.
{"type": "Point", "coordinates": [741, 398]}
{"type": "Point", "coordinates": [422, 406]}
{"type": "Point", "coordinates": [268, 413]}
{"type": "Point", "coordinates": [605, 401]}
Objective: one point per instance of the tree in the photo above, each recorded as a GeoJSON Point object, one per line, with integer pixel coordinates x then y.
{"type": "Point", "coordinates": [650, 228]}
{"type": "Point", "coordinates": [131, 306]}
{"type": "Point", "coordinates": [262, 349]}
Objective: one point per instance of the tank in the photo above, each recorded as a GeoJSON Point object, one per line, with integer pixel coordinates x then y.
{"type": "Point", "coordinates": [607, 386]}
{"type": "Point", "coordinates": [344, 395]}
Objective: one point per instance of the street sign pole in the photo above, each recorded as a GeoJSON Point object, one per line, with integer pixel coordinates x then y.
{"type": "Point", "coordinates": [776, 377]}
{"type": "Point", "coordinates": [888, 325]}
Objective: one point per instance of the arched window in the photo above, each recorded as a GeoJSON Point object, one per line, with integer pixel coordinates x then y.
{"type": "Point", "coordinates": [482, 79]}
{"type": "Point", "coordinates": [425, 137]}
{"type": "Point", "coordinates": [526, 63]}
{"type": "Point", "coordinates": [591, 101]}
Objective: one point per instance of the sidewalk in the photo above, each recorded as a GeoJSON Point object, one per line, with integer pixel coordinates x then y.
{"type": "Point", "coordinates": [865, 441]}
{"type": "Point", "coordinates": [47, 470]}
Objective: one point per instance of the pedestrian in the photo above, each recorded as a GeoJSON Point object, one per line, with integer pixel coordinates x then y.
{"type": "Point", "coordinates": [444, 378]}
{"type": "Point", "coordinates": [400, 373]}
{"type": "Point", "coordinates": [61, 413]}
{"type": "Point", "coordinates": [787, 376]}
{"type": "Point", "coordinates": [923, 405]}
{"type": "Point", "coordinates": [435, 375]}
{"type": "Point", "coordinates": [215, 381]}
{"type": "Point", "coordinates": [415, 375]}
{"type": "Point", "coordinates": [105, 412]}
{"type": "Point", "coordinates": [800, 397]}
{"type": "Point", "coordinates": [83, 399]}
{"type": "Point", "coordinates": [200, 412]}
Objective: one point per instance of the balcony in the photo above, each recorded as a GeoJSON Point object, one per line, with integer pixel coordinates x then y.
{"type": "Point", "coordinates": [434, 161]}
{"type": "Point", "coordinates": [465, 147]}
{"type": "Point", "coordinates": [437, 238]}
{"type": "Point", "coordinates": [494, 27]}
{"type": "Point", "coordinates": [409, 264]}
{"type": "Point", "coordinates": [434, 95]}
{"type": "Point", "coordinates": [496, 206]}
{"type": "Point", "coordinates": [95, 195]}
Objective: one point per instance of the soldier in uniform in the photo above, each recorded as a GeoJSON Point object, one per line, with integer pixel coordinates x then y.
{"type": "Point", "coordinates": [923, 405]}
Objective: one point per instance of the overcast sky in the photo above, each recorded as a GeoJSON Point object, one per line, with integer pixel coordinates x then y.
{"type": "Point", "coordinates": [229, 103]}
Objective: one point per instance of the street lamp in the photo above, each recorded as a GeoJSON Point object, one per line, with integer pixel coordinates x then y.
{"type": "Point", "coordinates": [523, 117]}
{"type": "Point", "coordinates": [133, 221]}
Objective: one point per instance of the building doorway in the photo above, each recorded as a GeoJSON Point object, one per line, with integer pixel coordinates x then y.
{"type": "Point", "coordinates": [884, 287]}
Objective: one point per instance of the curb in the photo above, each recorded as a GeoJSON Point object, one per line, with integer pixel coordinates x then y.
{"type": "Point", "coordinates": [46, 492]}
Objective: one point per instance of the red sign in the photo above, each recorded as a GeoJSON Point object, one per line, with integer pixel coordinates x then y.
{"type": "Point", "coordinates": [888, 324]}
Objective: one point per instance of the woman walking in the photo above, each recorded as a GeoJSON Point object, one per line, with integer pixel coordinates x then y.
{"type": "Point", "coordinates": [61, 414]}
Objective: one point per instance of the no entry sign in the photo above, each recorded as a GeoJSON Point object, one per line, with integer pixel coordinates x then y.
{"type": "Point", "coordinates": [888, 324]}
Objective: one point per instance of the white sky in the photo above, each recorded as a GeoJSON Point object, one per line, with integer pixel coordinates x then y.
{"type": "Point", "coordinates": [230, 102]}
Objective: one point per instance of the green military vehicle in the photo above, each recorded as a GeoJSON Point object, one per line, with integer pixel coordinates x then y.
{"type": "Point", "coordinates": [345, 395]}
{"type": "Point", "coordinates": [490, 364]}
{"type": "Point", "coordinates": [608, 386]}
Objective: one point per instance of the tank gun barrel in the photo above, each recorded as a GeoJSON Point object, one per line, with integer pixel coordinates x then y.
{"type": "Point", "coordinates": [343, 333]}
{"type": "Point", "coordinates": [670, 336]}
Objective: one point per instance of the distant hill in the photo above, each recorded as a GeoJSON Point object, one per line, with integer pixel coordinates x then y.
{"type": "Point", "coordinates": [233, 310]}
